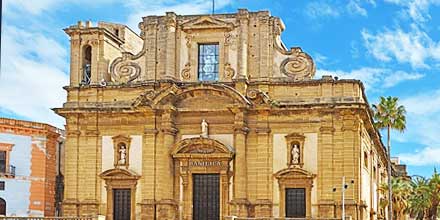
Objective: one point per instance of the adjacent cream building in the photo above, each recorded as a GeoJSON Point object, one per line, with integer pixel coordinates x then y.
{"type": "Point", "coordinates": [208, 116]}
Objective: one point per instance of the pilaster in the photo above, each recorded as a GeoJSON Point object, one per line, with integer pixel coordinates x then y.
{"type": "Point", "coordinates": [240, 202]}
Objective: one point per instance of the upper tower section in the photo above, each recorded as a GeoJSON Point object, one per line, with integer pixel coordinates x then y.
{"type": "Point", "coordinates": [93, 48]}
{"type": "Point", "coordinates": [187, 48]}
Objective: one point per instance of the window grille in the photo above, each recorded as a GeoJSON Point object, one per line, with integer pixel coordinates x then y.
{"type": "Point", "coordinates": [208, 62]}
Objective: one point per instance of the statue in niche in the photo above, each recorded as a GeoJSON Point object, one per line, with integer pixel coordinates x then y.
{"type": "Point", "coordinates": [295, 154]}
{"type": "Point", "coordinates": [122, 154]}
{"type": "Point", "coordinates": [204, 126]}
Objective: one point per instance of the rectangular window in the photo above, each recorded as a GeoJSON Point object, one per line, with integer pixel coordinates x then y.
{"type": "Point", "coordinates": [208, 62]}
{"type": "Point", "coordinates": [2, 185]}
{"type": "Point", "coordinates": [3, 162]}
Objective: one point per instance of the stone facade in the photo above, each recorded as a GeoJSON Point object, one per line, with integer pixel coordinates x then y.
{"type": "Point", "coordinates": [33, 162]}
{"type": "Point", "coordinates": [271, 125]}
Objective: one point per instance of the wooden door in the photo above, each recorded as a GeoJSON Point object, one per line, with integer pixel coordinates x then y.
{"type": "Point", "coordinates": [295, 202]}
{"type": "Point", "coordinates": [206, 197]}
{"type": "Point", "coordinates": [121, 204]}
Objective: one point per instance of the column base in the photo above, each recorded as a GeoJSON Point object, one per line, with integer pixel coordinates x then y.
{"type": "Point", "coordinates": [70, 207]}
{"type": "Point", "coordinates": [89, 207]}
{"type": "Point", "coordinates": [240, 207]}
{"type": "Point", "coordinates": [263, 208]}
{"type": "Point", "coordinates": [167, 209]}
{"type": "Point", "coordinates": [147, 209]}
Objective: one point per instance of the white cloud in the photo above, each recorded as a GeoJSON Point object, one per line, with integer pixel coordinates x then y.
{"type": "Point", "coordinates": [431, 103]}
{"type": "Point", "coordinates": [427, 156]}
{"type": "Point", "coordinates": [317, 10]}
{"type": "Point", "coordinates": [423, 118]}
{"type": "Point", "coordinates": [354, 7]}
{"type": "Point", "coordinates": [32, 75]}
{"type": "Point", "coordinates": [414, 47]}
{"type": "Point", "coordinates": [373, 78]}
{"type": "Point", "coordinates": [400, 76]}
{"type": "Point", "coordinates": [417, 10]}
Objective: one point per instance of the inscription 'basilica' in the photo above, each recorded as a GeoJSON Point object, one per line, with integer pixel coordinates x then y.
{"type": "Point", "coordinates": [203, 117]}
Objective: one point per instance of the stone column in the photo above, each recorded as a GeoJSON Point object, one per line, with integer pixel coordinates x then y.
{"type": "Point", "coordinates": [70, 203]}
{"type": "Point", "coordinates": [263, 205]}
{"type": "Point", "coordinates": [243, 19]}
{"type": "Point", "coordinates": [166, 206]}
{"type": "Point", "coordinates": [240, 203]}
{"type": "Point", "coordinates": [148, 168]}
{"type": "Point", "coordinates": [170, 65]}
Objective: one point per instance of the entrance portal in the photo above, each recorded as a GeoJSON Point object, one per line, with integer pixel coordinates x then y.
{"type": "Point", "coordinates": [295, 202]}
{"type": "Point", "coordinates": [121, 204]}
{"type": "Point", "coordinates": [206, 197]}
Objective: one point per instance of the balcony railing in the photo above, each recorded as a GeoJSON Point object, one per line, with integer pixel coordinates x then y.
{"type": "Point", "coordinates": [8, 171]}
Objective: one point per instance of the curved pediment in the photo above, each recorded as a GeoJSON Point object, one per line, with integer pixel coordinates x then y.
{"type": "Point", "coordinates": [174, 94]}
{"type": "Point", "coordinates": [206, 22]}
{"type": "Point", "coordinates": [118, 173]}
{"type": "Point", "coordinates": [201, 147]}
{"type": "Point", "coordinates": [294, 173]}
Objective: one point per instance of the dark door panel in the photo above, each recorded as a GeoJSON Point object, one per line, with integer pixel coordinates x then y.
{"type": "Point", "coordinates": [206, 197]}
{"type": "Point", "coordinates": [121, 204]}
{"type": "Point", "coordinates": [295, 202]}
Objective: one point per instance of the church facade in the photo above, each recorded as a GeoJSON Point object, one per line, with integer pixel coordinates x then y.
{"type": "Point", "coordinates": [210, 116]}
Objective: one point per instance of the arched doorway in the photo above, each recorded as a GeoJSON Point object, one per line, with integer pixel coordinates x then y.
{"type": "Point", "coordinates": [2, 207]}
{"type": "Point", "coordinates": [204, 173]}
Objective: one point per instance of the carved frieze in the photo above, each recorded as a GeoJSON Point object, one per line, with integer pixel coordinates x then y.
{"type": "Point", "coordinates": [124, 69]}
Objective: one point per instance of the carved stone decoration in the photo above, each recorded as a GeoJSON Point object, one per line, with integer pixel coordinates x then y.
{"type": "Point", "coordinates": [206, 22]}
{"type": "Point", "coordinates": [298, 66]}
{"type": "Point", "coordinates": [189, 38]}
{"type": "Point", "coordinates": [260, 97]}
{"type": "Point", "coordinates": [121, 145]}
{"type": "Point", "coordinates": [204, 127]}
{"type": "Point", "coordinates": [228, 39]}
{"type": "Point", "coordinates": [186, 71]}
{"type": "Point", "coordinates": [295, 147]}
{"type": "Point", "coordinates": [124, 70]}
{"type": "Point", "coordinates": [229, 71]}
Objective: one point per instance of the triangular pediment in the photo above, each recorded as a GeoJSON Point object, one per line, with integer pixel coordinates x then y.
{"type": "Point", "coordinates": [207, 22]}
{"type": "Point", "coordinates": [201, 146]}
{"type": "Point", "coordinates": [118, 173]}
{"type": "Point", "coordinates": [294, 173]}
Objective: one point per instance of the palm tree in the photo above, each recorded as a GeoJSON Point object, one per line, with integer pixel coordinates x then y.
{"type": "Point", "coordinates": [434, 188]}
{"type": "Point", "coordinates": [388, 114]}
{"type": "Point", "coordinates": [420, 198]}
{"type": "Point", "coordinates": [401, 189]}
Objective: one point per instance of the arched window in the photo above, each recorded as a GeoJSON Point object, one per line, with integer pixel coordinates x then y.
{"type": "Point", "coordinates": [87, 65]}
{"type": "Point", "coordinates": [2, 207]}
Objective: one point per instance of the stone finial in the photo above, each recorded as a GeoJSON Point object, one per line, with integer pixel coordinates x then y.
{"type": "Point", "coordinates": [88, 24]}
{"type": "Point", "coordinates": [80, 24]}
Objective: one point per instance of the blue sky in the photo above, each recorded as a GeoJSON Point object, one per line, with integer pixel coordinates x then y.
{"type": "Point", "coordinates": [393, 46]}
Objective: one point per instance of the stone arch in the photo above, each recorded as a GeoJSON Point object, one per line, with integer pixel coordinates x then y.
{"type": "Point", "coordinates": [173, 94]}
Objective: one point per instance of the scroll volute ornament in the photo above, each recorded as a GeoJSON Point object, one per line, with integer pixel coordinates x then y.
{"type": "Point", "coordinates": [124, 69]}
{"type": "Point", "coordinates": [298, 65]}
{"type": "Point", "coordinates": [295, 150]}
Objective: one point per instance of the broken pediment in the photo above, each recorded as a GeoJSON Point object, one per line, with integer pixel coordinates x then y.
{"type": "Point", "coordinates": [207, 22]}
{"type": "Point", "coordinates": [201, 146]}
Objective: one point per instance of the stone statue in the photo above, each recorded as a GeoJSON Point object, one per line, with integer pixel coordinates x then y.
{"type": "Point", "coordinates": [122, 155]}
{"type": "Point", "coordinates": [295, 154]}
{"type": "Point", "coordinates": [204, 126]}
